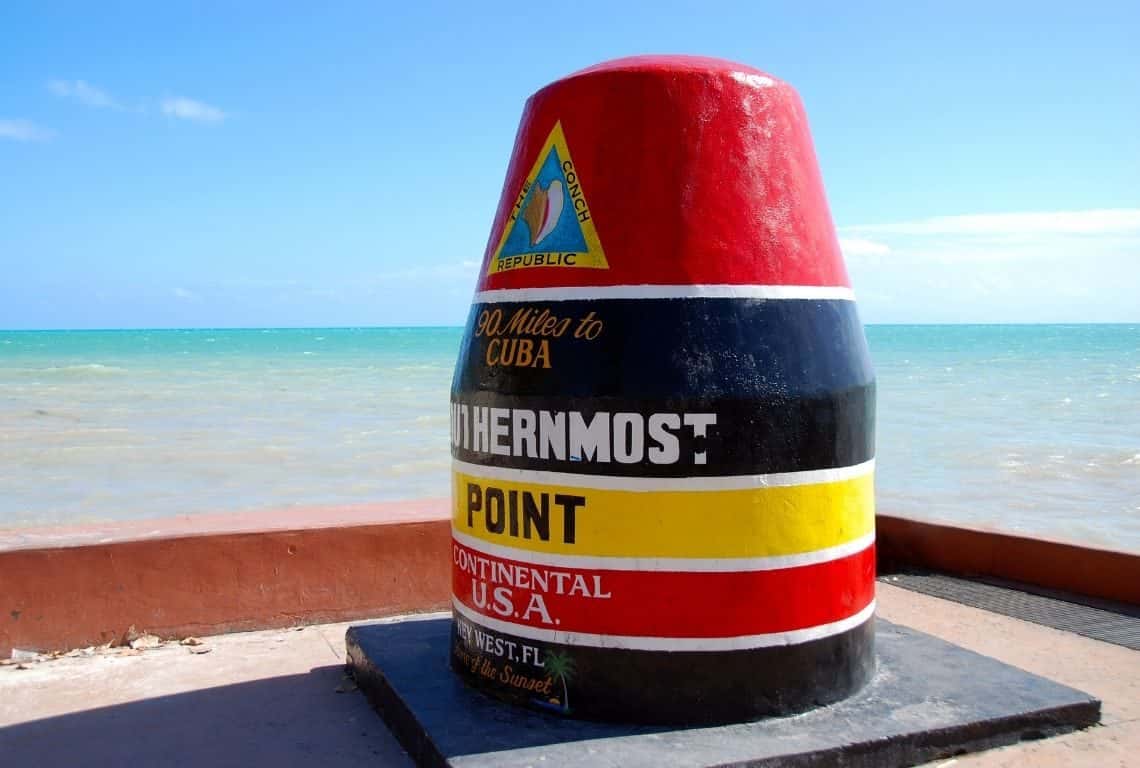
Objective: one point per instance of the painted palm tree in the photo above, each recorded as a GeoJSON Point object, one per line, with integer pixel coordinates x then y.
{"type": "Point", "coordinates": [560, 665]}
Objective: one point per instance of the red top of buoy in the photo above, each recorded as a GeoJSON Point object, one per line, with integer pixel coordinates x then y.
{"type": "Point", "coordinates": [669, 63]}
{"type": "Point", "coordinates": [663, 170]}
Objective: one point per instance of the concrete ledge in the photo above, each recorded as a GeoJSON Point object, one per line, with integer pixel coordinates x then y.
{"type": "Point", "coordinates": [1058, 565]}
{"type": "Point", "coordinates": [63, 588]}
{"type": "Point", "coordinates": [70, 588]}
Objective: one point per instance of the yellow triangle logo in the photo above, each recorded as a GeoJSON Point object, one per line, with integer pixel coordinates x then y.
{"type": "Point", "coordinates": [550, 224]}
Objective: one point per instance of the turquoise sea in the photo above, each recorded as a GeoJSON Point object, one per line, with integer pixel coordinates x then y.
{"type": "Point", "coordinates": [1031, 428]}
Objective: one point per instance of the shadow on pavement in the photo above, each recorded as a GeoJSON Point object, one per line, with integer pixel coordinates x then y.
{"type": "Point", "coordinates": [281, 721]}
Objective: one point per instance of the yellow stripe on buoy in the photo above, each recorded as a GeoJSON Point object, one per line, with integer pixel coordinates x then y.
{"type": "Point", "coordinates": [755, 522]}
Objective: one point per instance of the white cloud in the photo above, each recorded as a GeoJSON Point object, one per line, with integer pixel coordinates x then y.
{"type": "Point", "coordinates": [1093, 222]}
{"type": "Point", "coordinates": [84, 93]}
{"type": "Point", "coordinates": [179, 107]}
{"type": "Point", "coordinates": [858, 246]}
{"type": "Point", "coordinates": [23, 130]}
{"type": "Point", "coordinates": [186, 295]}
{"type": "Point", "coordinates": [1044, 266]}
{"type": "Point", "coordinates": [467, 269]}
{"type": "Point", "coordinates": [189, 109]}
{"type": "Point", "coordinates": [996, 236]}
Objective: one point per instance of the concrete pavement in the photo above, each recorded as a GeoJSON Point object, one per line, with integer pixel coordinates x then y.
{"type": "Point", "coordinates": [279, 698]}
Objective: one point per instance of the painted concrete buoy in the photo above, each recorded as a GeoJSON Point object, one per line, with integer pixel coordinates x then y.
{"type": "Point", "coordinates": [663, 411]}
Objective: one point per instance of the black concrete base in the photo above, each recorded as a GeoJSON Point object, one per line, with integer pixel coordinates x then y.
{"type": "Point", "coordinates": [683, 687]}
{"type": "Point", "coordinates": [928, 700]}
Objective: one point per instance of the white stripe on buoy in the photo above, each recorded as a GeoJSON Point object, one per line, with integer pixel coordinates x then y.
{"type": "Point", "coordinates": [765, 292]}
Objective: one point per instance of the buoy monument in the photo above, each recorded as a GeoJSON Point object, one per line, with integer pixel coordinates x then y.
{"type": "Point", "coordinates": [662, 415]}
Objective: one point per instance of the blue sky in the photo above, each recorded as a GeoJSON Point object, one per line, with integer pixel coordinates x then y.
{"type": "Point", "coordinates": [260, 164]}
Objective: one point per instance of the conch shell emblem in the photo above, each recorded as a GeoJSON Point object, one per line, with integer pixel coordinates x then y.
{"type": "Point", "coordinates": [543, 210]}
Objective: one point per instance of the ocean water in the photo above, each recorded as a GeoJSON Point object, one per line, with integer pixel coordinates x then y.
{"type": "Point", "coordinates": [1028, 428]}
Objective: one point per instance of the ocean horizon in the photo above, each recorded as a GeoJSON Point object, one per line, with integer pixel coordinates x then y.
{"type": "Point", "coordinates": [443, 326]}
{"type": "Point", "coordinates": [1031, 428]}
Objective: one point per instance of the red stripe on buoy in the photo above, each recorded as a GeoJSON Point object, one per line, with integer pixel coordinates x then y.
{"type": "Point", "coordinates": [663, 603]}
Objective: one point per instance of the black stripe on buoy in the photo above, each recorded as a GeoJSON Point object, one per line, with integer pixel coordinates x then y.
{"type": "Point", "coordinates": [664, 348]}
{"type": "Point", "coordinates": [656, 687]}
{"type": "Point", "coordinates": [740, 437]}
